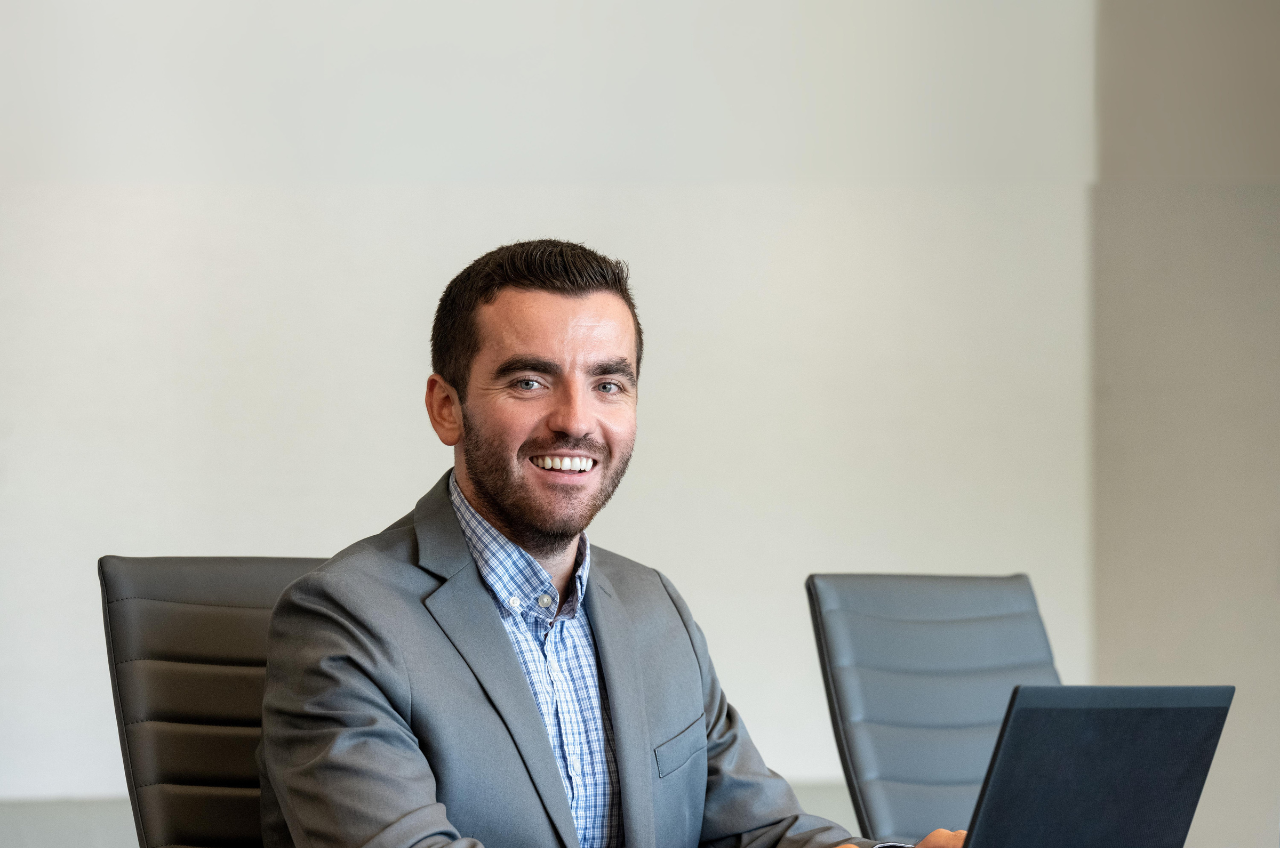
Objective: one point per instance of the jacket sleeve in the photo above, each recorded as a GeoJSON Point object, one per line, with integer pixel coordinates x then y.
{"type": "Point", "coordinates": [747, 804]}
{"type": "Point", "coordinates": [339, 763]}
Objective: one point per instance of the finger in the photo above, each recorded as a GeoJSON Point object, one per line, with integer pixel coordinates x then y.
{"type": "Point", "coordinates": [943, 839]}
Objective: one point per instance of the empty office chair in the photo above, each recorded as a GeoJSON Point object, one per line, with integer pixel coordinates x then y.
{"type": "Point", "coordinates": [918, 672]}
{"type": "Point", "coordinates": [187, 644]}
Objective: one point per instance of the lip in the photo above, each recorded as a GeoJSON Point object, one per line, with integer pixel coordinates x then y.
{"type": "Point", "coordinates": [565, 476]}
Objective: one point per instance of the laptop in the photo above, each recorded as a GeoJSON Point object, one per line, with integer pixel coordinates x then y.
{"type": "Point", "coordinates": [1086, 766]}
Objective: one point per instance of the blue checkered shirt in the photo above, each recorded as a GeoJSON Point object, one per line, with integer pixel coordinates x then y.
{"type": "Point", "coordinates": [558, 655]}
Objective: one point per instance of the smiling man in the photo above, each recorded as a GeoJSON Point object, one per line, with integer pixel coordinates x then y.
{"type": "Point", "coordinates": [478, 673]}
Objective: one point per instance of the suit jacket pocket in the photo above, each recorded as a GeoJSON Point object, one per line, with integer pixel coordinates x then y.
{"type": "Point", "coordinates": [677, 750]}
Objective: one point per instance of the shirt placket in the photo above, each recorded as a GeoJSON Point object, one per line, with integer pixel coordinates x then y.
{"type": "Point", "coordinates": [562, 696]}
{"type": "Point", "coordinates": [581, 753]}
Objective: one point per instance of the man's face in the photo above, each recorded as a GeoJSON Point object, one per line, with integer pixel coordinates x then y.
{"type": "Point", "coordinates": [554, 384]}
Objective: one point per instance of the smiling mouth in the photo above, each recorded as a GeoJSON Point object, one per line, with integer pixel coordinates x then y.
{"type": "Point", "coordinates": [564, 464]}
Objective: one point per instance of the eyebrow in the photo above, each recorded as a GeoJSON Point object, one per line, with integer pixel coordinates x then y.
{"type": "Point", "coordinates": [536, 364]}
{"type": "Point", "coordinates": [617, 367]}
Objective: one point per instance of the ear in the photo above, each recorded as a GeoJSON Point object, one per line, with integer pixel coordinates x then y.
{"type": "Point", "coordinates": [445, 410]}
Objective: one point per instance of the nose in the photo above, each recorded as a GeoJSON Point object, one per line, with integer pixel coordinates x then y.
{"type": "Point", "coordinates": [570, 413]}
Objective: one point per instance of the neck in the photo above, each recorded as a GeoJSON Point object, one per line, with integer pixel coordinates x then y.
{"type": "Point", "coordinates": [557, 562]}
{"type": "Point", "coordinates": [559, 567]}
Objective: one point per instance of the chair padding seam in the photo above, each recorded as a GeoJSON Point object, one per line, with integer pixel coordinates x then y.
{"type": "Point", "coordinates": [195, 662]}
{"type": "Point", "coordinates": [187, 603]}
{"type": "Point", "coordinates": [1023, 613]}
{"type": "Point", "coordinates": [924, 726]}
{"type": "Point", "coordinates": [198, 723]}
{"type": "Point", "coordinates": [198, 785]}
{"type": "Point", "coordinates": [946, 672]}
{"type": "Point", "coordinates": [926, 783]}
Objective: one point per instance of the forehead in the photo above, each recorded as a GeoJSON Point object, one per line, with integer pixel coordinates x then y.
{"type": "Point", "coordinates": [556, 326]}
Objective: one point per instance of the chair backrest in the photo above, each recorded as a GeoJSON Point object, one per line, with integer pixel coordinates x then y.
{"type": "Point", "coordinates": [918, 671]}
{"type": "Point", "coordinates": [186, 640]}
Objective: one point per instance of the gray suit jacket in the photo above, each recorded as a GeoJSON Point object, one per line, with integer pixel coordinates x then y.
{"type": "Point", "coordinates": [396, 713]}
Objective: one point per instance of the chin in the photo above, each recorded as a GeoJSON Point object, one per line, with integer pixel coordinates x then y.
{"type": "Point", "coordinates": [563, 522]}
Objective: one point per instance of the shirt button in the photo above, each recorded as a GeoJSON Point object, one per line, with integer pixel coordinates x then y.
{"type": "Point", "coordinates": [515, 602]}
{"type": "Point", "coordinates": [544, 601]}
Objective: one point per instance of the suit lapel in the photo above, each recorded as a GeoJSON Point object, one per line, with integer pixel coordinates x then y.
{"type": "Point", "coordinates": [612, 628]}
{"type": "Point", "coordinates": [465, 611]}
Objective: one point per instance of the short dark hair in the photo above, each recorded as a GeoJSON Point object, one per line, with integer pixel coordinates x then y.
{"type": "Point", "coordinates": [549, 265]}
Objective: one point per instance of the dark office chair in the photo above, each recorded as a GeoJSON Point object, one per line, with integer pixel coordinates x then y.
{"type": "Point", "coordinates": [187, 644]}
{"type": "Point", "coordinates": [918, 672]}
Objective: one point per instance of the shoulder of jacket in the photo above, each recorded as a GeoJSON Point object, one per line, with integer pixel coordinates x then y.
{"type": "Point", "coordinates": [633, 579]}
{"type": "Point", "coordinates": [621, 571]}
{"type": "Point", "coordinates": [382, 563]}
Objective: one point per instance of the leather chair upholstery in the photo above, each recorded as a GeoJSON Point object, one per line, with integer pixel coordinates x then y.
{"type": "Point", "coordinates": [918, 672]}
{"type": "Point", "coordinates": [186, 641]}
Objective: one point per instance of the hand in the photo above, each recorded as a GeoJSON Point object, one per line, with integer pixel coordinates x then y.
{"type": "Point", "coordinates": [943, 839]}
{"type": "Point", "coordinates": [938, 839]}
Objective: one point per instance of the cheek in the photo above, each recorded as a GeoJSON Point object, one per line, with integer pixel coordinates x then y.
{"type": "Point", "coordinates": [526, 426]}
{"type": "Point", "coordinates": [620, 430]}
{"type": "Point", "coordinates": [506, 426]}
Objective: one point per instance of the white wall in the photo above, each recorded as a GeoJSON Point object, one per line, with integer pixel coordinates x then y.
{"type": "Point", "coordinates": [859, 243]}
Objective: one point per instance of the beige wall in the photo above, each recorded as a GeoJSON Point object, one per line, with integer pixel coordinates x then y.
{"type": "Point", "coordinates": [859, 241]}
{"type": "Point", "coordinates": [1187, 377]}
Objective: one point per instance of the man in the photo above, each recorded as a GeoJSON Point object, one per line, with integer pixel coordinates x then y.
{"type": "Point", "coordinates": [478, 674]}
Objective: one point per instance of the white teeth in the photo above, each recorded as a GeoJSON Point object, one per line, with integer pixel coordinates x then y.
{"type": "Point", "coordinates": [565, 463]}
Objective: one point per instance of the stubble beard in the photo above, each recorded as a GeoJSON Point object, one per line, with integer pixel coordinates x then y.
{"type": "Point", "coordinates": [540, 527]}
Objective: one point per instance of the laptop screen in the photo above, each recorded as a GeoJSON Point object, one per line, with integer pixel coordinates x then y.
{"type": "Point", "coordinates": [1099, 765]}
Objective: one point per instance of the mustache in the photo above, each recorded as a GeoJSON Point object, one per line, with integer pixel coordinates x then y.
{"type": "Point", "coordinates": [536, 447]}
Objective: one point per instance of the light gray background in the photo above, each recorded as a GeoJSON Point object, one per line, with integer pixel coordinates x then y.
{"type": "Point", "coordinates": [862, 245]}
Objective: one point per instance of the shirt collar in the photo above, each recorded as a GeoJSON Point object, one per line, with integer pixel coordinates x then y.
{"type": "Point", "coordinates": [513, 576]}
